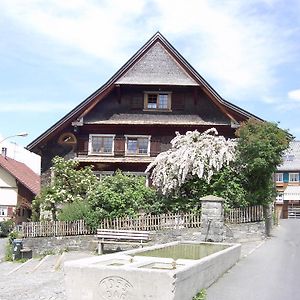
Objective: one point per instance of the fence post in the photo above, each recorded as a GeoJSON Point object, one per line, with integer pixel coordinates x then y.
{"type": "Point", "coordinates": [212, 219]}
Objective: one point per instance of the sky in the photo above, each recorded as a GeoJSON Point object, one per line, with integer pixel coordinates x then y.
{"type": "Point", "coordinates": [54, 54]}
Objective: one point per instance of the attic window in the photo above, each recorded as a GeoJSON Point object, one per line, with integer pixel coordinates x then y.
{"type": "Point", "coordinates": [67, 139]}
{"type": "Point", "coordinates": [157, 101]}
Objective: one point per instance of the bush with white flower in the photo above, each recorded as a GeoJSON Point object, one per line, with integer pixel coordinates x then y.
{"type": "Point", "coordinates": [195, 153]}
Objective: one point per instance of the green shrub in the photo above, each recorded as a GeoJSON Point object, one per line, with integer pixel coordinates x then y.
{"type": "Point", "coordinates": [9, 246]}
{"type": "Point", "coordinates": [78, 210]}
{"type": "Point", "coordinates": [119, 196]}
{"type": "Point", "coordinates": [6, 227]}
{"type": "Point", "coordinates": [201, 295]}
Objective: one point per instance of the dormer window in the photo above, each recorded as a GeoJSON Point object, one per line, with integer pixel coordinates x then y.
{"type": "Point", "coordinates": [157, 101]}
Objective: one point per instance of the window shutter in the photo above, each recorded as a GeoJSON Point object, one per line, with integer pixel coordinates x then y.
{"type": "Point", "coordinates": [177, 101]}
{"type": "Point", "coordinates": [119, 146]}
{"type": "Point", "coordinates": [83, 145]}
{"type": "Point", "coordinates": [154, 147]}
{"type": "Point", "coordinates": [137, 102]}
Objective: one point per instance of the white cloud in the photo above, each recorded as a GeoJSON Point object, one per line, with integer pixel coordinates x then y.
{"type": "Point", "coordinates": [233, 43]}
{"type": "Point", "coordinates": [36, 106]}
{"type": "Point", "coordinates": [97, 28]}
{"type": "Point", "coordinates": [294, 95]}
{"type": "Point", "coordinates": [237, 46]}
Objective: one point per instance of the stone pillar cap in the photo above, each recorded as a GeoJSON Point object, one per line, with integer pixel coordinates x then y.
{"type": "Point", "coordinates": [212, 198]}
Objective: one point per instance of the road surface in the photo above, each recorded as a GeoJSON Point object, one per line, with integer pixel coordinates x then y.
{"type": "Point", "coordinates": [271, 272]}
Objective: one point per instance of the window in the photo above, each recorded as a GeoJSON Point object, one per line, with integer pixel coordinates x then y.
{"type": "Point", "coordinates": [279, 197]}
{"type": "Point", "coordinates": [137, 145]}
{"type": "Point", "coordinates": [67, 138]}
{"type": "Point", "coordinates": [288, 157]}
{"type": "Point", "coordinates": [157, 101]}
{"type": "Point", "coordinates": [101, 144]}
{"type": "Point", "coordinates": [279, 177]}
{"type": "Point", "coordinates": [3, 211]}
{"type": "Point", "coordinates": [293, 177]}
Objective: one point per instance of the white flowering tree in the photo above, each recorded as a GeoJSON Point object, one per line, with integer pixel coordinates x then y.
{"type": "Point", "coordinates": [193, 154]}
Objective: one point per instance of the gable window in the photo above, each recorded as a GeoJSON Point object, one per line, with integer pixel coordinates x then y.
{"type": "Point", "coordinates": [102, 144]}
{"type": "Point", "coordinates": [293, 177]}
{"type": "Point", "coordinates": [279, 177]}
{"type": "Point", "coordinates": [67, 138]}
{"type": "Point", "coordinates": [157, 101]}
{"type": "Point", "coordinates": [137, 145]}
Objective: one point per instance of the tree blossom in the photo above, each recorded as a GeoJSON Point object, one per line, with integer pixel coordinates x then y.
{"type": "Point", "coordinates": [200, 154]}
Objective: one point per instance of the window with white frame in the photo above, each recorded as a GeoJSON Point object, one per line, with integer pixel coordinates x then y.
{"type": "Point", "coordinates": [293, 177]}
{"type": "Point", "coordinates": [102, 144]}
{"type": "Point", "coordinates": [279, 197]}
{"type": "Point", "coordinates": [279, 177]}
{"type": "Point", "coordinates": [3, 211]}
{"type": "Point", "coordinates": [157, 101]}
{"type": "Point", "coordinates": [137, 145]}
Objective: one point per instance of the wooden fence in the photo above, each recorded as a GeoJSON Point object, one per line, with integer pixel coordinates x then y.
{"type": "Point", "coordinates": [142, 222]}
{"type": "Point", "coordinates": [54, 228]}
{"type": "Point", "coordinates": [153, 222]}
{"type": "Point", "coordinates": [244, 215]}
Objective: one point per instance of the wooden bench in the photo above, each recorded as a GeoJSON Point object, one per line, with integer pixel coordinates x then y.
{"type": "Point", "coordinates": [113, 236]}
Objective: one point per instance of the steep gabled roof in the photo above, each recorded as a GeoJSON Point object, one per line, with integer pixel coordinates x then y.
{"type": "Point", "coordinates": [178, 72]}
{"type": "Point", "coordinates": [22, 173]}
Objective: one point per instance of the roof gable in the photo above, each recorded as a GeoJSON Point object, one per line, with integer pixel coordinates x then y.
{"type": "Point", "coordinates": [22, 173]}
{"type": "Point", "coordinates": [157, 66]}
{"type": "Point", "coordinates": [131, 73]}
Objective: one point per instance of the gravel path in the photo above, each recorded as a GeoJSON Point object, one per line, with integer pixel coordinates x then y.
{"type": "Point", "coordinates": [37, 279]}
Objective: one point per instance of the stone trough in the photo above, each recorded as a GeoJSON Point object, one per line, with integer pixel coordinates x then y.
{"type": "Point", "coordinates": [176, 270]}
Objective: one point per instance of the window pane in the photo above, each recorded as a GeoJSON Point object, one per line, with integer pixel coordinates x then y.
{"type": "Point", "coordinates": [132, 145]}
{"type": "Point", "coordinates": [96, 144]}
{"type": "Point", "coordinates": [163, 101]}
{"type": "Point", "coordinates": [143, 145]}
{"type": "Point", "coordinates": [107, 144]}
{"type": "Point", "coordinates": [152, 101]}
{"type": "Point", "coordinates": [102, 144]}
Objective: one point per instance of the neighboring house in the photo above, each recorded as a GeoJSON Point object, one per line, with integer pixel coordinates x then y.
{"type": "Point", "coordinates": [287, 182]}
{"type": "Point", "coordinates": [133, 117]}
{"type": "Point", "coordinates": [18, 187]}
{"type": "Point", "coordinates": [19, 153]}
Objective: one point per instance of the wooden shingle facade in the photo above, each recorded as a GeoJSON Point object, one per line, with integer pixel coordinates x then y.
{"type": "Point", "coordinates": [133, 117]}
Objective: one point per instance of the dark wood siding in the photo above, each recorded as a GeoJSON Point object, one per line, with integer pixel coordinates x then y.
{"type": "Point", "coordinates": [119, 145]}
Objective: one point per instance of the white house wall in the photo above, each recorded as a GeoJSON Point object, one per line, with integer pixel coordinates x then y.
{"type": "Point", "coordinates": [8, 189]}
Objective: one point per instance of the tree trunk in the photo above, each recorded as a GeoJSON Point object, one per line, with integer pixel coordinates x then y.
{"type": "Point", "coordinates": [267, 210]}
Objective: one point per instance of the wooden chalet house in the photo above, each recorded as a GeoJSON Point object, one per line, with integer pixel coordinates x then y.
{"type": "Point", "coordinates": [133, 117]}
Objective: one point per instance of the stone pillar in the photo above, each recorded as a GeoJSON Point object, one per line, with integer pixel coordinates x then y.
{"type": "Point", "coordinates": [212, 219]}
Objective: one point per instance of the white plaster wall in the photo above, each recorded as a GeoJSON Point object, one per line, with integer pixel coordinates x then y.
{"type": "Point", "coordinates": [8, 189]}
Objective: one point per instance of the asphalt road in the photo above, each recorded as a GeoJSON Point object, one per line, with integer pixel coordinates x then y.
{"type": "Point", "coordinates": [271, 272]}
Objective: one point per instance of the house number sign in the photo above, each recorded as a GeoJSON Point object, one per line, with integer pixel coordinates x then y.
{"type": "Point", "coordinates": [115, 288]}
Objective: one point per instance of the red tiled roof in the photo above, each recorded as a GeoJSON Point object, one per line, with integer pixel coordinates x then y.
{"type": "Point", "coordinates": [22, 173]}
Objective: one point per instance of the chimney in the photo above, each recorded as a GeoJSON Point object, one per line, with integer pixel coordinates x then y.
{"type": "Point", "coordinates": [4, 152]}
